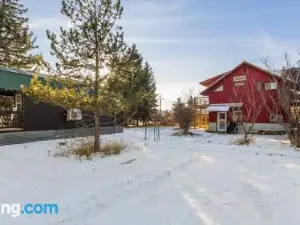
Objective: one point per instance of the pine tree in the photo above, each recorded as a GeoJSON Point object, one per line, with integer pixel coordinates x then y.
{"type": "Point", "coordinates": [147, 87]}
{"type": "Point", "coordinates": [184, 112]}
{"type": "Point", "coordinates": [137, 84]}
{"type": "Point", "coordinates": [85, 52]}
{"type": "Point", "coordinates": [16, 39]}
{"type": "Point", "coordinates": [127, 69]}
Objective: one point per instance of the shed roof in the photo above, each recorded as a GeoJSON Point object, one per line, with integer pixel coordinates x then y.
{"type": "Point", "coordinates": [12, 79]}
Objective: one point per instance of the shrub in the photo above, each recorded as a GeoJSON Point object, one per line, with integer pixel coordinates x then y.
{"type": "Point", "coordinates": [185, 112]}
{"type": "Point", "coordinates": [112, 148]}
{"type": "Point", "coordinates": [243, 141]}
{"type": "Point", "coordinates": [106, 149]}
{"type": "Point", "coordinates": [182, 133]}
{"type": "Point", "coordinates": [84, 149]}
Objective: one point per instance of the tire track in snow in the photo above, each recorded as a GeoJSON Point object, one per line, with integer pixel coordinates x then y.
{"type": "Point", "coordinates": [95, 209]}
{"type": "Point", "coordinates": [259, 195]}
{"type": "Point", "coordinates": [206, 220]}
{"type": "Point", "coordinates": [196, 195]}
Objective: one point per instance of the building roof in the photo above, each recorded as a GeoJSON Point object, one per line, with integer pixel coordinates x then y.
{"type": "Point", "coordinates": [12, 79]}
{"type": "Point", "coordinates": [209, 81]}
{"type": "Point", "coordinates": [224, 75]}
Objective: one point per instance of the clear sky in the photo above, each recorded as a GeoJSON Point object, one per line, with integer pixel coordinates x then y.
{"type": "Point", "coordinates": [187, 41]}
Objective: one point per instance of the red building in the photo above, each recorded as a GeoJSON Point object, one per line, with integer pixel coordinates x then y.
{"type": "Point", "coordinates": [226, 104]}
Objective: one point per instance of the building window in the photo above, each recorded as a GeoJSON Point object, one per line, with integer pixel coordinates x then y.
{"type": "Point", "coordinates": [270, 86]}
{"type": "Point", "coordinates": [221, 88]}
{"type": "Point", "coordinates": [6, 102]}
{"type": "Point", "coordinates": [237, 116]}
{"type": "Point", "coordinates": [239, 80]}
{"type": "Point", "coordinates": [240, 83]}
{"type": "Point", "coordinates": [259, 85]}
{"type": "Point", "coordinates": [18, 101]}
{"type": "Point", "coordinates": [276, 118]}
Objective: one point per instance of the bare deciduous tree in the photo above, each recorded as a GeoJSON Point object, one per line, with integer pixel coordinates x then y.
{"type": "Point", "coordinates": [251, 100]}
{"type": "Point", "coordinates": [286, 101]}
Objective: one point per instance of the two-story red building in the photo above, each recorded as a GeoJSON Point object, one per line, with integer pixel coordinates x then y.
{"type": "Point", "coordinates": [223, 108]}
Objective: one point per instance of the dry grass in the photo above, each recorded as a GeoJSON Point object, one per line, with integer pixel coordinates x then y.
{"type": "Point", "coordinates": [182, 133]}
{"type": "Point", "coordinates": [242, 141]}
{"type": "Point", "coordinates": [85, 149]}
{"type": "Point", "coordinates": [112, 148]}
{"type": "Point", "coordinates": [106, 149]}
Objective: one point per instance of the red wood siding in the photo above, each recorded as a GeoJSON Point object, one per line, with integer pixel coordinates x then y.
{"type": "Point", "coordinates": [226, 96]}
{"type": "Point", "coordinates": [212, 117]}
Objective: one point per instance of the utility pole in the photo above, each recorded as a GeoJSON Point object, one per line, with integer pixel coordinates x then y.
{"type": "Point", "coordinates": [159, 116]}
{"type": "Point", "coordinates": [159, 104]}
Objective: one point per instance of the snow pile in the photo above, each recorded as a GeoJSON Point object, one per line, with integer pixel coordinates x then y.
{"type": "Point", "coordinates": [202, 179]}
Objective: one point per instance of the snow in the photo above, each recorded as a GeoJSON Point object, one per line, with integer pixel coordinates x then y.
{"type": "Point", "coordinates": [202, 179]}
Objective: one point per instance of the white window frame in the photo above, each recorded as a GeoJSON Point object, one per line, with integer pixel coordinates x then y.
{"type": "Point", "coordinates": [270, 86]}
{"type": "Point", "coordinates": [220, 88]}
{"type": "Point", "coordinates": [276, 118]}
{"type": "Point", "coordinates": [239, 83]}
{"type": "Point", "coordinates": [235, 117]}
{"type": "Point", "coordinates": [18, 101]}
{"type": "Point", "coordinates": [239, 78]}
{"type": "Point", "coordinates": [259, 85]}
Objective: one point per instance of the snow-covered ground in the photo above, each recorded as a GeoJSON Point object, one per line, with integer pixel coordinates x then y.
{"type": "Point", "coordinates": [201, 180]}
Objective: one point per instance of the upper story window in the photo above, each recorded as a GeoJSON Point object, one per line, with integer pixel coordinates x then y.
{"type": "Point", "coordinates": [270, 86]}
{"type": "Point", "coordinates": [259, 85]}
{"type": "Point", "coordinates": [220, 88]}
{"type": "Point", "coordinates": [239, 80]}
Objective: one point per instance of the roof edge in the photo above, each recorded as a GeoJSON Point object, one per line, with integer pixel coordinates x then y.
{"type": "Point", "coordinates": [229, 72]}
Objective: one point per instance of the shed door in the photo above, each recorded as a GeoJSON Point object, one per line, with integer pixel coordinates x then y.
{"type": "Point", "coordinates": [222, 121]}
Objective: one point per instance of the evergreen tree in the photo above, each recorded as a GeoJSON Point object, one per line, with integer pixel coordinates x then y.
{"type": "Point", "coordinates": [16, 39]}
{"type": "Point", "coordinates": [184, 112]}
{"type": "Point", "coordinates": [178, 109]}
{"type": "Point", "coordinates": [85, 52]}
{"type": "Point", "coordinates": [147, 87]}
{"type": "Point", "coordinates": [137, 84]}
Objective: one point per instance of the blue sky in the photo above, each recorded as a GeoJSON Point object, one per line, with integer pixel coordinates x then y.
{"type": "Point", "coordinates": [187, 41]}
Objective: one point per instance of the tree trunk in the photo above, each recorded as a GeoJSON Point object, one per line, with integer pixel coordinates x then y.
{"type": "Point", "coordinates": [246, 137]}
{"type": "Point", "coordinates": [297, 137]}
{"type": "Point", "coordinates": [146, 131]}
{"type": "Point", "coordinates": [97, 133]}
{"type": "Point", "coordinates": [245, 130]}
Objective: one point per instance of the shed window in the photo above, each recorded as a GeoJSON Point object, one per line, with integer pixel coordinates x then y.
{"type": "Point", "coordinates": [18, 101]}
{"type": "Point", "coordinates": [6, 102]}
